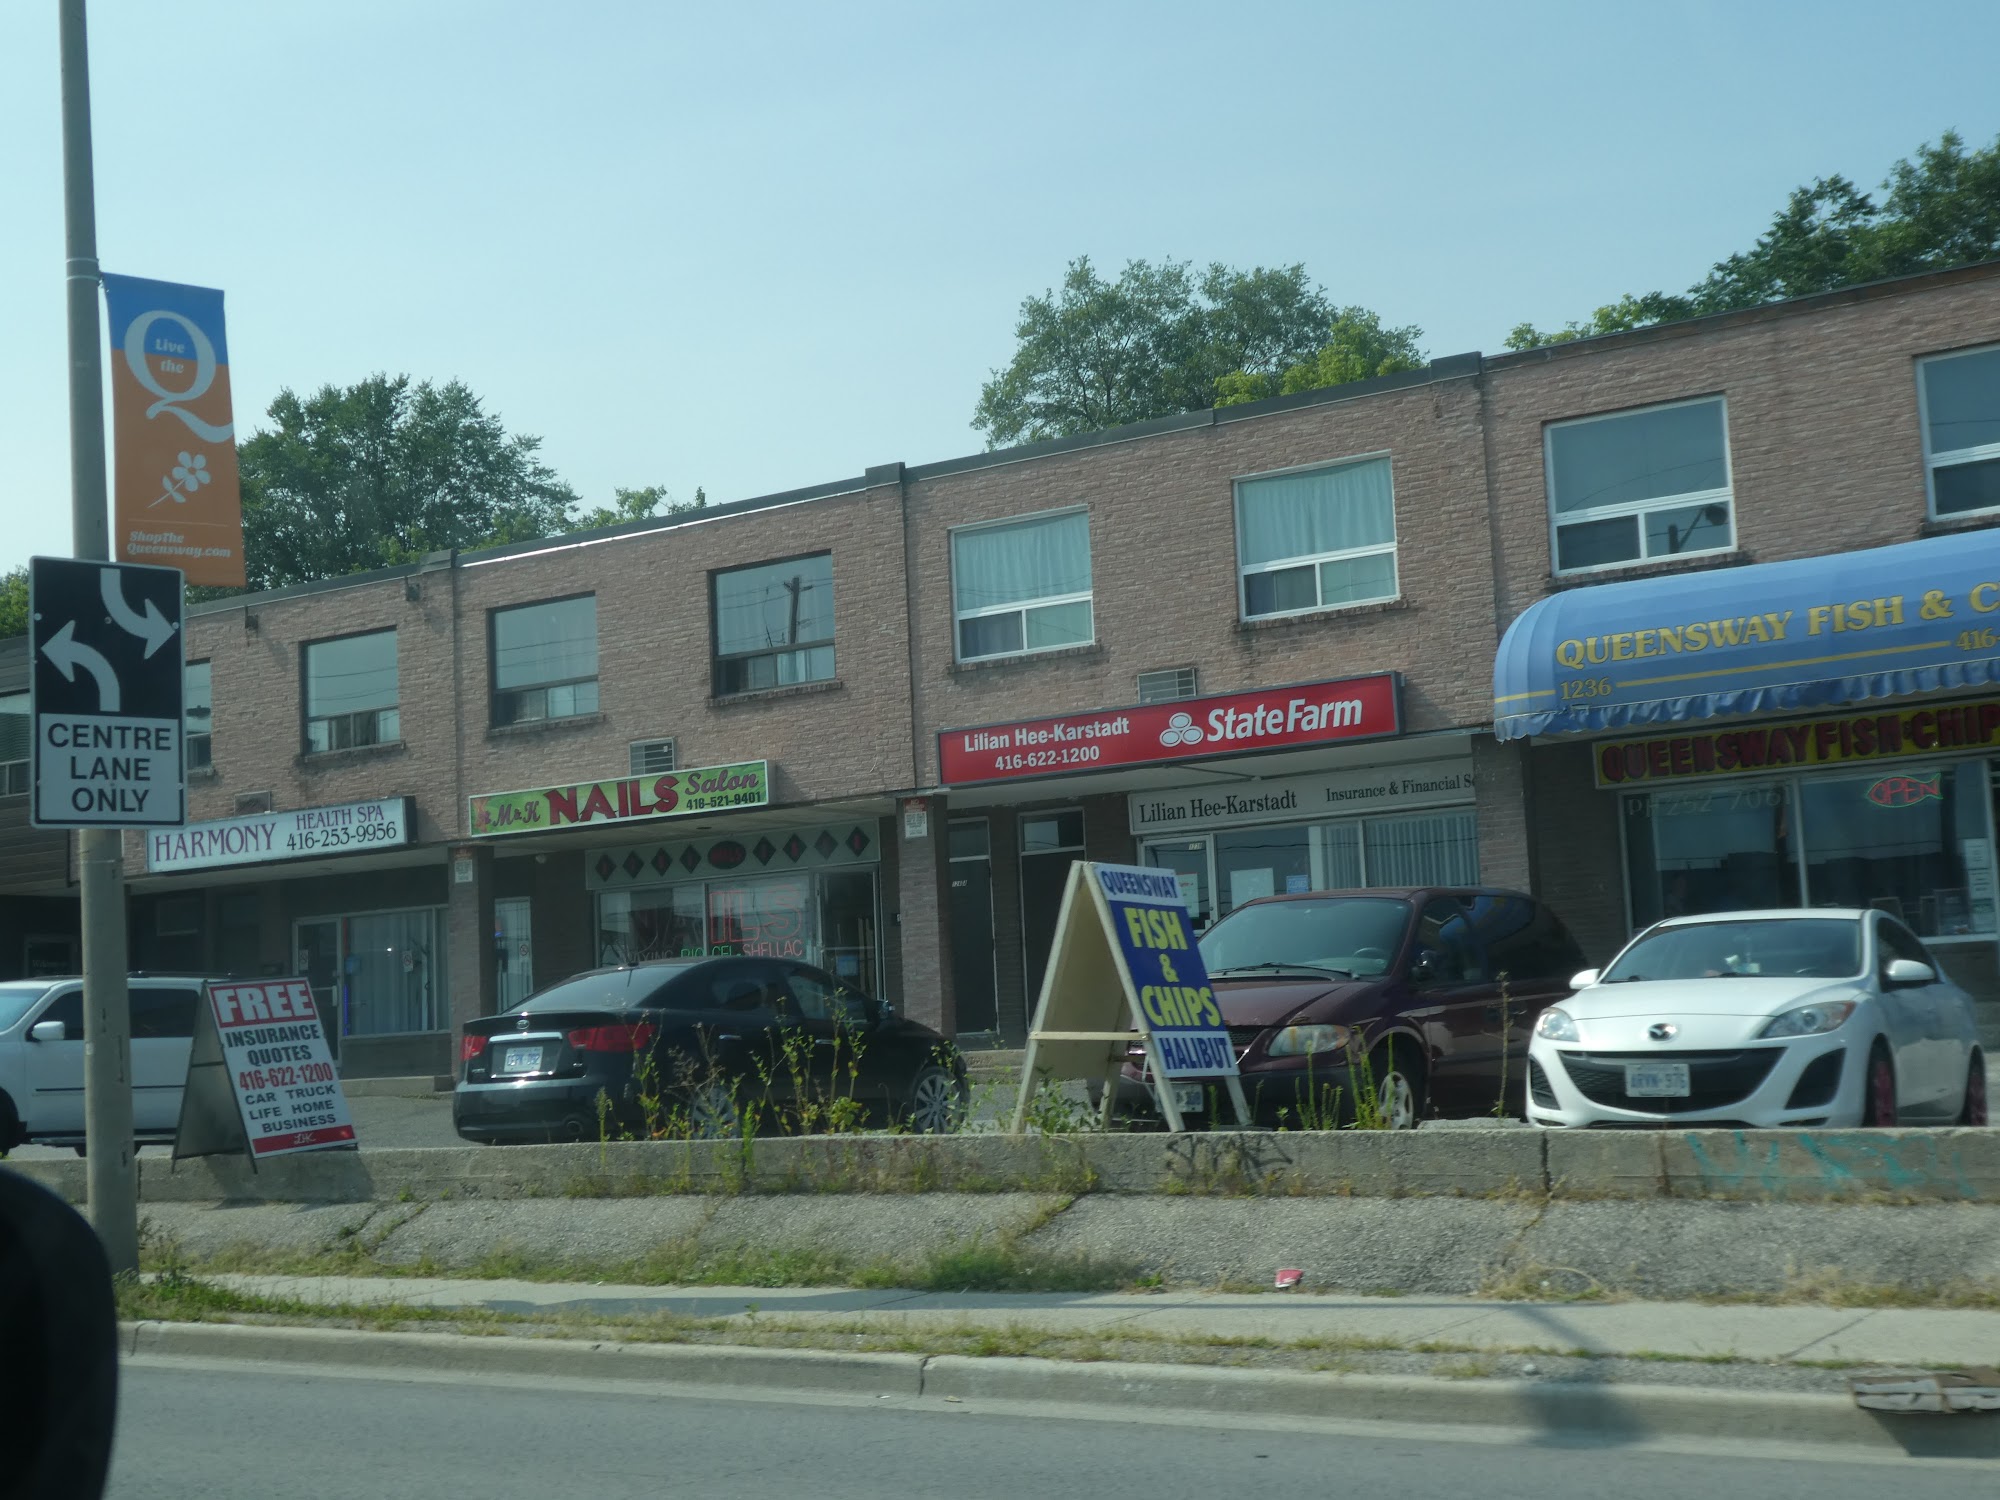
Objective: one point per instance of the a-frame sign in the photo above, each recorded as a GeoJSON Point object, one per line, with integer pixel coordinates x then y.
{"type": "Point", "coordinates": [1124, 972]}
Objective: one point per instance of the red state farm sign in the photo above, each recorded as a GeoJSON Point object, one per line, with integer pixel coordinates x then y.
{"type": "Point", "coordinates": [1313, 713]}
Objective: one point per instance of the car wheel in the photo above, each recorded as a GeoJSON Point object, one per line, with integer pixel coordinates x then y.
{"type": "Point", "coordinates": [1878, 1107]}
{"type": "Point", "coordinates": [937, 1102]}
{"type": "Point", "coordinates": [1399, 1086]}
{"type": "Point", "coordinates": [11, 1133]}
{"type": "Point", "coordinates": [1974, 1112]}
{"type": "Point", "coordinates": [713, 1114]}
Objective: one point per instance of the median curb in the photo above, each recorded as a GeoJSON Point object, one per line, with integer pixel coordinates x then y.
{"type": "Point", "coordinates": [1583, 1414]}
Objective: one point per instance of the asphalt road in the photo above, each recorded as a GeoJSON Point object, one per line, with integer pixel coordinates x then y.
{"type": "Point", "coordinates": [220, 1432]}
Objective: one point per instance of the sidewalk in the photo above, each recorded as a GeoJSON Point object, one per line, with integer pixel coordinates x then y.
{"type": "Point", "coordinates": [1680, 1330]}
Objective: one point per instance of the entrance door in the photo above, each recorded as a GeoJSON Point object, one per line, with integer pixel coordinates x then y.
{"type": "Point", "coordinates": [973, 982]}
{"type": "Point", "coordinates": [1188, 859]}
{"type": "Point", "coordinates": [514, 955]}
{"type": "Point", "coordinates": [1050, 843]}
{"type": "Point", "coordinates": [317, 946]}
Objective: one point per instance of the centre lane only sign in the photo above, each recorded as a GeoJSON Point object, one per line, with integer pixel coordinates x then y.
{"type": "Point", "coordinates": [106, 694]}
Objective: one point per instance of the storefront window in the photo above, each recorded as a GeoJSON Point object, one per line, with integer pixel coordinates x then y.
{"type": "Point", "coordinates": [381, 973]}
{"type": "Point", "coordinates": [826, 919]}
{"type": "Point", "coordinates": [1906, 843]}
{"type": "Point", "coordinates": [1728, 849]}
{"type": "Point", "coordinates": [1439, 848]}
{"type": "Point", "coordinates": [1253, 862]}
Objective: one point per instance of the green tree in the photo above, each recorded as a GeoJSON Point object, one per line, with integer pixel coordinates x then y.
{"type": "Point", "coordinates": [639, 505]}
{"type": "Point", "coordinates": [358, 477]}
{"type": "Point", "coordinates": [1160, 339]}
{"type": "Point", "coordinates": [14, 603]}
{"type": "Point", "coordinates": [1939, 209]}
{"type": "Point", "coordinates": [1357, 347]}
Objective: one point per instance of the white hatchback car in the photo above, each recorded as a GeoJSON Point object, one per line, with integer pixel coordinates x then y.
{"type": "Point", "coordinates": [1759, 1019]}
{"type": "Point", "coordinates": [41, 1058]}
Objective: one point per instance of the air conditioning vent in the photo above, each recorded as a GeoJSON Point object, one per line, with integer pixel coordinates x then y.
{"type": "Point", "coordinates": [1167, 685]}
{"type": "Point", "coordinates": [652, 757]}
{"type": "Point", "coordinates": [253, 802]}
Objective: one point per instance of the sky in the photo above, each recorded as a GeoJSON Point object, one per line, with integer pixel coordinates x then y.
{"type": "Point", "coordinates": [757, 246]}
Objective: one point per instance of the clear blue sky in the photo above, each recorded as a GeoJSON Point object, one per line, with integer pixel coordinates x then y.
{"type": "Point", "coordinates": [756, 246]}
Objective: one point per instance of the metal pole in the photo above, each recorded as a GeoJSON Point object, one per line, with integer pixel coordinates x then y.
{"type": "Point", "coordinates": [107, 1018]}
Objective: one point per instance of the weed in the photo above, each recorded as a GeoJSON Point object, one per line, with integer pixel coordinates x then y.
{"type": "Point", "coordinates": [1464, 1369]}
{"type": "Point", "coordinates": [1535, 1282]}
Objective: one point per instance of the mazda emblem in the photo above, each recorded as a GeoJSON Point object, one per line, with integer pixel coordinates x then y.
{"type": "Point", "coordinates": [1662, 1031]}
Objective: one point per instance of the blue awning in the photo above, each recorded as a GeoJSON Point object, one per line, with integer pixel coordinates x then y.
{"type": "Point", "coordinates": [1770, 638]}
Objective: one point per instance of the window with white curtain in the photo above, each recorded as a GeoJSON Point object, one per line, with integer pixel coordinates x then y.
{"type": "Point", "coordinates": [1960, 399]}
{"type": "Point", "coordinates": [14, 736]}
{"type": "Point", "coordinates": [1021, 586]}
{"type": "Point", "coordinates": [1316, 540]}
{"type": "Point", "coordinates": [1638, 485]}
{"type": "Point", "coordinates": [1440, 848]}
{"type": "Point", "coordinates": [545, 660]}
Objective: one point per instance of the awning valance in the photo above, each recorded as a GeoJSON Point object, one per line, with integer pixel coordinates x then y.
{"type": "Point", "coordinates": [1768, 638]}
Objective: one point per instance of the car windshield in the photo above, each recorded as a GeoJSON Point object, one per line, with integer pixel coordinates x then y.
{"type": "Point", "coordinates": [1357, 935]}
{"type": "Point", "coordinates": [1806, 947]}
{"type": "Point", "coordinates": [606, 989]}
{"type": "Point", "coordinates": [17, 999]}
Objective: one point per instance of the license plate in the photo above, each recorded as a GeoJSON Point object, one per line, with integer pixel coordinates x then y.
{"type": "Point", "coordinates": [521, 1060]}
{"type": "Point", "coordinates": [1656, 1080]}
{"type": "Point", "coordinates": [1188, 1100]}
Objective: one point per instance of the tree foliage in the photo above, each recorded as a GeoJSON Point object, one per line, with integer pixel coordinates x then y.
{"type": "Point", "coordinates": [639, 505]}
{"type": "Point", "coordinates": [1357, 347]}
{"type": "Point", "coordinates": [358, 477]}
{"type": "Point", "coordinates": [14, 603]}
{"type": "Point", "coordinates": [1938, 210]}
{"type": "Point", "coordinates": [1160, 339]}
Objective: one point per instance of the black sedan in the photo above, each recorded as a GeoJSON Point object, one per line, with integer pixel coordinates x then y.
{"type": "Point", "coordinates": [701, 1048]}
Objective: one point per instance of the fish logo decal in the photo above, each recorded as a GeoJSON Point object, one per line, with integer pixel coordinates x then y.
{"type": "Point", "coordinates": [1905, 791]}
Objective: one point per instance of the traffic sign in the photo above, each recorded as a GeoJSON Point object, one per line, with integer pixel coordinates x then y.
{"type": "Point", "coordinates": [106, 695]}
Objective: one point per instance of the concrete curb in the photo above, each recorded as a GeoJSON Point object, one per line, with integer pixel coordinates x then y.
{"type": "Point", "coordinates": [1563, 1412]}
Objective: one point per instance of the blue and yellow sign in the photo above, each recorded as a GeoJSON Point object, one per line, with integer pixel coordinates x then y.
{"type": "Point", "coordinates": [1919, 617]}
{"type": "Point", "coordinates": [1150, 922]}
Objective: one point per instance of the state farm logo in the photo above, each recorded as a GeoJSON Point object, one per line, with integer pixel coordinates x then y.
{"type": "Point", "coordinates": [1181, 730]}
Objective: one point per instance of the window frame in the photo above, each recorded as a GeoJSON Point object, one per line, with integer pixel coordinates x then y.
{"type": "Point", "coordinates": [306, 716]}
{"type": "Point", "coordinates": [1984, 453]}
{"type": "Point", "coordinates": [206, 738]}
{"type": "Point", "coordinates": [1088, 598]}
{"type": "Point", "coordinates": [717, 658]}
{"type": "Point", "coordinates": [1313, 560]}
{"type": "Point", "coordinates": [8, 775]}
{"type": "Point", "coordinates": [1638, 509]}
{"type": "Point", "coordinates": [494, 692]}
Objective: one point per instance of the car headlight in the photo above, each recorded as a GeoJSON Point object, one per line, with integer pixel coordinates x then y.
{"type": "Point", "coordinates": [1300, 1041]}
{"type": "Point", "coordinates": [1555, 1026]}
{"type": "Point", "coordinates": [1810, 1020]}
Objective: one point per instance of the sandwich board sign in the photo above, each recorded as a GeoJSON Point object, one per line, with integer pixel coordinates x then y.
{"type": "Point", "coordinates": [1124, 971]}
{"type": "Point", "coordinates": [260, 1077]}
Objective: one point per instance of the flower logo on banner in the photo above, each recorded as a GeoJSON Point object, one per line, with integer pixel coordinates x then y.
{"type": "Point", "coordinates": [189, 475]}
{"type": "Point", "coordinates": [1181, 730]}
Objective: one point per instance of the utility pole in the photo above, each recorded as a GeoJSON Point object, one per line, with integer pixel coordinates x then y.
{"type": "Point", "coordinates": [107, 1017]}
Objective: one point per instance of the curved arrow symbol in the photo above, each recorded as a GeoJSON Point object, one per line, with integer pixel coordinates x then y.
{"type": "Point", "coordinates": [153, 629]}
{"type": "Point", "coordinates": [68, 653]}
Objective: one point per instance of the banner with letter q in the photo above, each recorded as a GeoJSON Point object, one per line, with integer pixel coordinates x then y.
{"type": "Point", "coordinates": [176, 499]}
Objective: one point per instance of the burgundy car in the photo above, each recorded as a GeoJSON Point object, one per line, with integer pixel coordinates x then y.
{"type": "Point", "coordinates": [1420, 1001]}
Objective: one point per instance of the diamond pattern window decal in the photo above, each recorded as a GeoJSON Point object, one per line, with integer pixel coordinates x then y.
{"type": "Point", "coordinates": [794, 848]}
{"type": "Point", "coordinates": [633, 865]}
{"type": "Point", "coordinates": [764, 849]}
{"type": "Point", "coordinates": [689, 859]}
{"type": "Point", "coordinates": [605, 868]}
{"type": "Point", "coordinates": [661, 863]}
{"type": "Point", "coordinates": [825, 844]}
{"type": "Point", "coordinates": [857, 843]}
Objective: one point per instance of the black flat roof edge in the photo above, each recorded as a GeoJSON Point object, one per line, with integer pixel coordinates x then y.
{"type": "Point", "coordinates": [1866, 291]}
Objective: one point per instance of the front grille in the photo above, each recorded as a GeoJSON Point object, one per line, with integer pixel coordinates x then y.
{"type": "Point", "coordinates": [1538, 1086]}
{"type": "Point", "coordinates": [1240, 1037]}
{"type": "Point", "coordinates": [1819, 1083]}
{"type": "Point", "coordinates": [1715, 1079]}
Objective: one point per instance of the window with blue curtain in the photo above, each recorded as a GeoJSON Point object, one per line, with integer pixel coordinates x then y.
{"type": "Point", "coordinates": [1316, 540]}
{"type": "Point", "coordinates": [1022, 585]}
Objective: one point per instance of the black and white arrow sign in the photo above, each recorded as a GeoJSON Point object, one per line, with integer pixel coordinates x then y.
{"type": "Point", "coordinates": [106, 694]}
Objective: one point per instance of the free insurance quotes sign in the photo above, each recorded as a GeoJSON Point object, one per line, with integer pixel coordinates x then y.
{"type": "Point", "coordinates": [260, 1076]}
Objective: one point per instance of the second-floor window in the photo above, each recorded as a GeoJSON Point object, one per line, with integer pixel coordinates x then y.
{"type": "Point", "coordinates": [1638, 486]}
{"type": "Point", "coordinates": [1021, 586]}
{"type": "Point", "coordinates": [1316, 539]}
{"type": "Point", "coordinates": [1960, 395]}
{"type": "Point", "coordinates": [545, 660]}
{"type": "Point", "coordinates": [14, 733]}
{"type": "Point", "coordinates": [197, 716]}
{"type": "Point", "coordinates": [774, 624]}
{"type": "Point", "coordinates": [351, 693]}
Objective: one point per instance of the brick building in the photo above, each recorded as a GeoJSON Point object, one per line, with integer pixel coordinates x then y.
{"type": "Point", "coordinates": [1255, 645]}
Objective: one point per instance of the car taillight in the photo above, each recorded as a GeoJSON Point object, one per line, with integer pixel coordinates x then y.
{"type": "Point", "coordinates": [613, 1038]}
{"type": "Point", "coordinates": [470, 1046]}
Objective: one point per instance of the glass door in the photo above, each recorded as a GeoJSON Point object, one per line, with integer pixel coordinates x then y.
{"type": "Point", "coordinates": [1191, 862]}
{"type": "Point", "coordinates": [974, 985]}
{"type": "Point", "coordinates": [514, 951]}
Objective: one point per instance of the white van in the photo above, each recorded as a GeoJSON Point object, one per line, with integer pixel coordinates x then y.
{"type": "Point", "coordinates": [41, 1058]}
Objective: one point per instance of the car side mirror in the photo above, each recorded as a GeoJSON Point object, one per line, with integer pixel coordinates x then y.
{"type": "Point", "coordinates": [1903, 971]}
{"type": "Point", "coordinates": [1584, 979]}
{"type": "Point", "coordinates": [1426, 969]}
{"type": "Point", "coordinates": [48, 1031]}
{"type": "Point", "coordinates": [885, 1014]}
